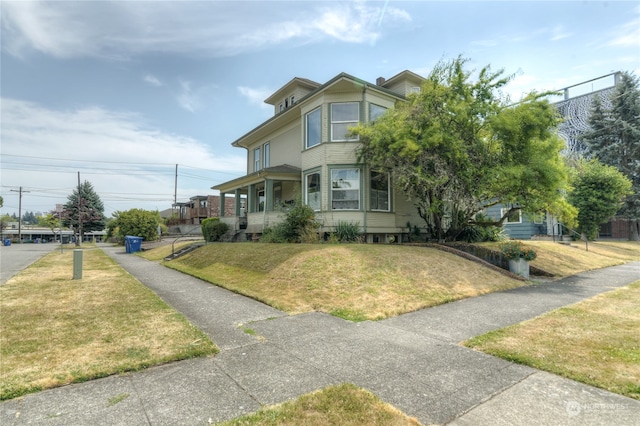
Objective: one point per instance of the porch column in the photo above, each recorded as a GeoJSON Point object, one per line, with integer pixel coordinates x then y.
{"type": "Point", "coordinates": [268, 194]}
{"type": "Point", "coordinates": [222, 205]}
{"type": "Point", "coordinates": [238, 204]}
{"type": "Point", "coordinates": [251, 199]}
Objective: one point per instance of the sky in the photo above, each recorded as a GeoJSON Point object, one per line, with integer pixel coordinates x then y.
{"type": "Point", "coordinates": [124, 93]}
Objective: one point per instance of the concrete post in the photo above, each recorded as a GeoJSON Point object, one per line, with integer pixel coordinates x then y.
{"type": "Point", "coordinates": [77, 264]}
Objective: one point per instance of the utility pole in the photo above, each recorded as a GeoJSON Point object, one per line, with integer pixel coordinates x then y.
{"type": "Point", "coordinates": [20, 191]}
{"type": "Point", "coordinates": [79, 213]}
{"type": "Point", "coordinates": [175, 189]}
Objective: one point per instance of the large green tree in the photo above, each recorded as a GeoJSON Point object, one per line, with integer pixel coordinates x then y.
{"type": "Point", "coordinates": [614, 139]}
{"type": "Point", "coordinates": [458, 147]}
{"type": "Point", "coordinates": [598, 191]}
{"type": "Point", "coordinates": [83, 211]}
{"type": "Point", "coordinates": [137, 222]}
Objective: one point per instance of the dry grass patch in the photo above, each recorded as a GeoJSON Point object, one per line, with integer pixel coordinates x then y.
{"type": "Point", "coordinates": [564, 260]}
{"type": "Point", "coordinates": [56, 330]}
{"type": "Point", "coordinates": [353, 281]}
{"type": "Point", "coordinates": [595, 342]}
{"type": "Point", "coordinates": [344, 405]}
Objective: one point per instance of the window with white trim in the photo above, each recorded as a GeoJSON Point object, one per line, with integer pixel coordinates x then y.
{"type": "Point", "coordinates": [379, 191]}
{"type": "Point", "coordinates": [514, 217]}
{"type": "Point", "coordinates": [256, 159]}
{"type": "Point", "coordinates": [344, 115]}
{"type": "Point", "coordinates": [313, 124]}
{"type": "Point", "coordinates": [375, 111]}
{"type": "Point", "coordinates": [313, 193]}
{"type": "Point", "coordinates": [345, 189]}
{"type": "Point", "coordinates": [267, 155]}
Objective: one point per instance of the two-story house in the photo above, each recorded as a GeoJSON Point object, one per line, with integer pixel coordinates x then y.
{"type": "Point", "coordinates": [304, 152]}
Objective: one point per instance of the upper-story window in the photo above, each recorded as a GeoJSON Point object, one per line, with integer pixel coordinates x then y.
{"type": "Point", "coordinates": [293, 98]}
{"type": "Point", "coordinates": [343, 116]}
{"type": "Point", "coordinates": [267, 155]}
{"type": "Point", "coordinates": [313, 124]}
{"type": "Point", "coordinates": [415, 89]}
{"type": "Point", "coordinates": [375, 111]}
{"type": "Point", "coordinates": [256, 159]}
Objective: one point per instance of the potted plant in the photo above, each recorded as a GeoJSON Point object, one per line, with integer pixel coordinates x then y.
{"type": "Point", "coordinates": [519, 257]}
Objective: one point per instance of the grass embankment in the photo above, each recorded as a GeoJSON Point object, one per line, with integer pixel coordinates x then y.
{"type": "Point", "coordinates": [353, 281]}
{"type": "Point", "coordinates": [596, 341]}
{"type": "Point", "coordinates": [563, 260]}
{"type": "Point", "coordinates": [56, 330]}
{"type": "Point", "coordinates": [337, 405]}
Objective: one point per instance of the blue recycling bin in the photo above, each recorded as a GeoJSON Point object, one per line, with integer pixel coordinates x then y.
{"type": "Point", "coordinates": [7, 242]}
{"type": "Point", "coordinates": [132, 244]}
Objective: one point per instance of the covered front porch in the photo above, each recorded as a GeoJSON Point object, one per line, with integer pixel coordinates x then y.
{"type": "Point", "coordinates": [259, 197]}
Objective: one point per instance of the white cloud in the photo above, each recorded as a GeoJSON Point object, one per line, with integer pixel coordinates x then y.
{"type": "Point", "coordinates": [193, 98]}
{"type": "Point", "coordinates": [559, 33]}
{"type": "Point", "coordinates": [628, 35]}
{"type": "Point", "coordinates": [116, 151]}
{"type": "Point", "coordinates": [152, 80]}
{"type": "Point", "coordinates": [118, 30]}
{"type": "Point", "coordinates": [256, 96]}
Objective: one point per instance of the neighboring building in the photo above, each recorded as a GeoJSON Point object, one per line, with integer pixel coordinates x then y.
{"type": "Point", "coordinates": [304, 152]}
{"type": "Point", "coordinates": [575, 111]}
{"type": "Point", "coordinates": [201, 207]}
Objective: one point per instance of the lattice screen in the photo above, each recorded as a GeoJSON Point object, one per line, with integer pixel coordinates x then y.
{"type": "Point", "coordinates": [576, 112]}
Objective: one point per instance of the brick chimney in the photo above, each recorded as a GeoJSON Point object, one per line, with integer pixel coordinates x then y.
{"type": "Point", "coordinates": [380, 81]}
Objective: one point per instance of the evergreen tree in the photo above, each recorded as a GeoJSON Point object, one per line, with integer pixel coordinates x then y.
{"type": "Point", "coordinates": [614, 139]}
{"type": "Point", "coordinates": [87, 215]}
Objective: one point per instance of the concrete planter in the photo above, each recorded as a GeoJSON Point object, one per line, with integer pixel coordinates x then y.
{"type": "Point", "coordinates": [520, 267]}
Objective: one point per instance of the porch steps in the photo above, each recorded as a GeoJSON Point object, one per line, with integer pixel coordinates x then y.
{"type": "Point", "coordinates": [184, 250]}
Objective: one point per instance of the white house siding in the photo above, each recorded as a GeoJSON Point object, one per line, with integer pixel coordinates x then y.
{"type": "Point", "coordinates": [329, 219]}
{"type": "Point", "coordinates": [285, 147]}
{"type": "Point", "coordinates": [380, 222]}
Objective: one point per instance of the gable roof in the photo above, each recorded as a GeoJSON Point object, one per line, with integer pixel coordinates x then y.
{"type": "Point", "coordinates": [320, 88]}
{"type": "Point", "coordinates": [290, 86]}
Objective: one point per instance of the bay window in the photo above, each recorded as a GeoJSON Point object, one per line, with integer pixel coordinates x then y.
{"type": "Point", "coordinates": [343, 116]}
{"type": "Point", "coordinates": [345, 189]}
{"type": "Point", "coordinates": [379, 192]}
{"type": "Point", "coordinates": [313, 124]}
{"type": "Point", "coordinates": [312, 193]}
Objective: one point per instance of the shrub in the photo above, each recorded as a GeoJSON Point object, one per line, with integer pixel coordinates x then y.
{"type": "Point", "coordinates": [484, 229]}
{"type": "Point", "coordinates": [299, 225]}
{"type": "Point", "coordinates": [213, 229]}
{"type": "Point", "coordinates": [347, 232]}
{"type": "Point", "coordinates": [513, 250]}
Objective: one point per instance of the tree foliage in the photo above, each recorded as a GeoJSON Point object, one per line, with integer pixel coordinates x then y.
{"type": "Point", "coordinates": [49, 221]}
{"type": "Point", "coordinates": [458, 147]}
{"type": "Point", "coordinates": [614, 139]}
{"type": "Point", "coordinates": [135, 222]}
{"type": "Point", "coordinates": [86, 215]}
{"type": "Point", "coordinates": [598, 191]}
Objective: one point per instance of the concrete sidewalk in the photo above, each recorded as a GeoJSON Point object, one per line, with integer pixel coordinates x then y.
{"type": "Point", "coordinates": [412, 361]}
